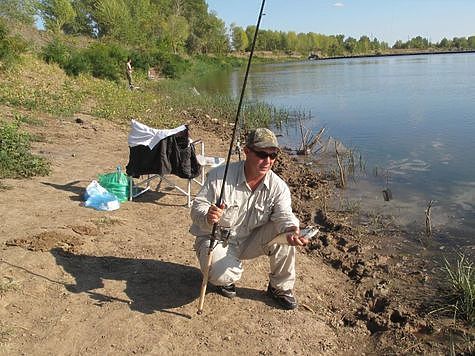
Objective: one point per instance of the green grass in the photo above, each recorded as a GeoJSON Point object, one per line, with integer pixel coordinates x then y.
{"type": "Point", "coordinates": [37, 87]}
{"type": "Point", "coordinates": [16, 160]}
{"type": "Point", "coordinates": [461, 279]}
{"type": "Point", "coordinates": [41, 87]}
{"type": "Point", "coordinates": [180, 96]}
{"type": "Point", "coordinates": [27, 119]}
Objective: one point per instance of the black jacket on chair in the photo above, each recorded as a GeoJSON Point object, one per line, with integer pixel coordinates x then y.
{"type": "Point", "coordinates": [172, 155]}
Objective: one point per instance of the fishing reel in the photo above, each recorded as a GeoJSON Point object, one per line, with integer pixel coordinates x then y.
{"type": "Point", "coordinates": [223, 234]}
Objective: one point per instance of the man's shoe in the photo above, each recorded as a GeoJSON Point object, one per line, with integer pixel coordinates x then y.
{"type": "Point", "coordinates": [228, 291]}
{"type": "Point", "coordinates": [285, 298]}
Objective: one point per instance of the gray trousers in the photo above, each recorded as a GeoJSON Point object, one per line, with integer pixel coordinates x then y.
{"type": "Point", "coordinates": [226, 263]}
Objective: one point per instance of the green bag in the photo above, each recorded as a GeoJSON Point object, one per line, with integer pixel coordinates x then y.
{"type": "Point", "coordinates": [116, 183]}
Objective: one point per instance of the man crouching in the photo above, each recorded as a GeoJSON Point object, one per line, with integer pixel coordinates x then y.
{"type": "Point", "coordinates": [256, 206]}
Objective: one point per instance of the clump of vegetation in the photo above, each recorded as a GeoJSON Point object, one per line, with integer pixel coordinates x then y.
{"type": "Point", "coordinates": [4, 187]}
{"type": "Point", "coordinates": [10, 47]}
{"type": "Point", "coordinates": [16, 160]}
{"type": "Point", "coordinates": [27, 119]}
{"type": "Point", "coordinates": [8, 283]}
{"type": "Point", "coordinates": [106, 221]}
{"type": "Point", "coordinates": [106, 60]}
{"type": "Point", "coordinates": [461, 278]}
{"type": "Point", "coordinates": [100, 60]}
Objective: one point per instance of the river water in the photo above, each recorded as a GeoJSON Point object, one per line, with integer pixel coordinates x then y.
{"type": "Point", "coordinates": [411, 118]}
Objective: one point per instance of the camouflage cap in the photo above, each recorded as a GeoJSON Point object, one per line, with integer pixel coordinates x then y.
{"type": "Point", "coordinates": [262, 138]}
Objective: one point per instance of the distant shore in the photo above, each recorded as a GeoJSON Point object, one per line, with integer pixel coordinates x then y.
{"type": "Point", "coordinates": [315, 57]}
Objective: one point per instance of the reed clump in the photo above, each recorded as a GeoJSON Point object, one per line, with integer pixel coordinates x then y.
{"type": "Point", "coordinates": [461, 280]}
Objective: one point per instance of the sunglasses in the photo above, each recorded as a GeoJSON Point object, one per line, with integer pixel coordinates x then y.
{"type": "Point", "coordinates": [264, 155]}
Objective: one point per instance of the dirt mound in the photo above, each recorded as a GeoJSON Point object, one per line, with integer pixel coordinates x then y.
{"type": "Point", "coordinates": [46, 241]}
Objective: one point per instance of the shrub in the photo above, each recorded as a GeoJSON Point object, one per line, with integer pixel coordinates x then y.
{"type": "Point", "coordinates": [143, 60]}
{"type": "Point", "coordinates": [170, 65]}
{"type": "Point", "coordinates": [78, 63]}
{"type": "Point", "coordinates": [16, 161]}
{"type": "Point", "coordinates": [57, 52]}
{"type": "Point", "coordinates": [107, 61]}
{"type": "Point", "coordinates": [104, 61]}
{"type": "Point", "coordinates": [173, 66]}
{"type": "Point", "coordinates": [10, 47]}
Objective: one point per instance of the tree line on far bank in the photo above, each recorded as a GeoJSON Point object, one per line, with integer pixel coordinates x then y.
{"type": "Point", "coordinates": [335, 45]}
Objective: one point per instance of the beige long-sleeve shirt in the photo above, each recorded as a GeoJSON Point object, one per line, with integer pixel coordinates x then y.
{"type": "Point", "coordinates": [245, 210]}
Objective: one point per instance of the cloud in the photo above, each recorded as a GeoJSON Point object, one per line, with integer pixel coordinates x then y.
{"type": "Point", "coordinates": [338, 4]}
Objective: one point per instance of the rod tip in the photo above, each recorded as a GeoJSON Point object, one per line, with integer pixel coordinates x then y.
{"type": "Point", "coordinates": [199, 312]}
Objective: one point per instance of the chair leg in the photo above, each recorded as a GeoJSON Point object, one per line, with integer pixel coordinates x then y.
{"type": "Point", "coordinates": [189, 193]}
{"type": "Point", "coordinates": [133, 195]}
{"type": "Point", "coordinates": [131, 186]}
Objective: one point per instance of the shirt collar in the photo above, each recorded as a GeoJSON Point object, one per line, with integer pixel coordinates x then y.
{"type": "Point", "coordinates": [242, 177]}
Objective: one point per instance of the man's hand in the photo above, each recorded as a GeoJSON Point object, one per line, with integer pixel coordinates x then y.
{"type": "Point", "coordinates": [293, 236]}
{"type": "Point", "coordinates": [214, 213]}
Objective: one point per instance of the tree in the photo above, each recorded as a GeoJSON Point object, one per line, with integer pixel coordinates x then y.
{"type": "Point", "coordinates": [375, 45]}
{"type": "Point", "coordinates": [113, 19]}
{"type": "Point", "coordinates": [273, 41]}
{"type": "Point", "coordinates": [239, 38]}
{"type": "Point", "coordinates": [284, 42]}
{"type": "Point", "coordinates": [292, 41]}
{"type": "Point", "coordinates": [364, 44]}
{"type": "Point", "coordinates": [460, 42]}
{"type": "Point", "coordinates": [175, 31]}
{"type": "Point", "coordinates": [383, 45]}
{"type": "Point", "coordinates": [302, 43]}
{"type": "Point", "coordinates": [336, 45]}
{"type": "Point", "coordinates": [471, 42]}
{"type": "Point", "coordinates": [444, 43]}
{"type": "Point", "coordinates": [250, 30]}
{"type": "Point", "coordinates": [56, 14]}
{"type": "Point", "coordinates": [145, 21]}
{"type": "Point", "coordinates": [350, 44]}
{"type": "Point", "coordinates": [418, 42]}
{"type": "Point", "coordinates": [399, 45]}
{"type": "Point", "coordinates": [207, 31]}
{"type": "Point", "coordinates": [82, 23]}
{"type": "Point", "coordinates": [19, 10]}
{"type": "Point", "coordinates": [216, 39]}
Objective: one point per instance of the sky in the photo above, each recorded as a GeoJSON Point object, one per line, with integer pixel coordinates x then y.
{"type": "Point", "coordinates": [386, 20]}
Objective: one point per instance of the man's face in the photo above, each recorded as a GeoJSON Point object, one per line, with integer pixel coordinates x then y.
{"type": "Point", "coordinates": [260, 160]}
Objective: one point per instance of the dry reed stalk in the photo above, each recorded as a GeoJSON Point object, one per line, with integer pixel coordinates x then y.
{"type": "Point", "coordinates": [342, 173]}
{"type": "Point", "coordinates": [308, 140]}
{"type": "Point", "coordinates": [428, 219]}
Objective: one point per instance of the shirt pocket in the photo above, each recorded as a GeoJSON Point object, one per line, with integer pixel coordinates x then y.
{"type": "Point", "coordinates": [260, 216]}
{"type": "Point", "coordinates": [230, 216]}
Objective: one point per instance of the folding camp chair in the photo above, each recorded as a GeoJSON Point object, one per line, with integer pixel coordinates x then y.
{"type": "Point", "coordinates": [157, 153]}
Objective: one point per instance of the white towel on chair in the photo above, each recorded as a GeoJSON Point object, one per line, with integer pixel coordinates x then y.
{"type": "Point", "coordinates": [141, 134]}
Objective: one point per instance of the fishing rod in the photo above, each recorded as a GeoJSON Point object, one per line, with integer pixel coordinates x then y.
{"type": "Point", "coordinates": [220, 199]}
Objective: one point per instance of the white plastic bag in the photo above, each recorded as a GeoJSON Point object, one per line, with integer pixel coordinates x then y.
{"type": "Point", "coordinates": [97, 197]}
